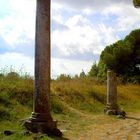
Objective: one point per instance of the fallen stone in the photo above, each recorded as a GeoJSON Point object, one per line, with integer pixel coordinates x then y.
{"type": "Point", "coordinates": [121, 112]}
{"type": "Point", "coordinates": [109, 112]}
{"type": "Point", "coordinates": [120, 117]}
{"type": "Point", "coordinates": [27, 133]}
{"type": "Point", "coordinates": [8, 132]}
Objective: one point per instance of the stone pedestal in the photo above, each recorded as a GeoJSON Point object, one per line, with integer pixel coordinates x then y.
{"type": "Point", "coordinates": [37, 124]}
{"type": "Point", "coordinates": [41, 120]}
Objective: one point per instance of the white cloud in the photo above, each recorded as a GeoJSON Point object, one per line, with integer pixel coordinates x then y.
{"type": "Point", "coordinates": [127, 17]}
{"type": "Point", "coordinates": [90, 5]}
{"type": "Point", "coordinates": [87, 11]}
{"type": "Point", "coordinates": [108, 34]}
{"type": "Point", "coordinates": [81, 36]}
{"type": "Point", "coordinates": [19, 25]}
{"type": "Point", "coordinates": [56, 12]}
{"type": "Point", "coordinates": [72, 67]}
{"type": "Point", "coordinates": [18, 62]}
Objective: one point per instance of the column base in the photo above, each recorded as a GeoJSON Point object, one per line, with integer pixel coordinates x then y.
{"type": "Point", "coordinates": [113, 110]}
{"type": "Point", "coordinates": [39, 124]}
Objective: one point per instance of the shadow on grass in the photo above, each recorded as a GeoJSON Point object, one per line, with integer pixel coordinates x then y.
{"type": "Point", "coordinates": [16, 135]}
{"type": "Point", "coordinates": [59, 138]}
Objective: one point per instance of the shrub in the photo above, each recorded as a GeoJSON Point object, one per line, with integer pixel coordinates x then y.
{"type": "Point", "coordinates": [4, 113]}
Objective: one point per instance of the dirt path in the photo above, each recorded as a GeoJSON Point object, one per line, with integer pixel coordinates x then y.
{"type": "Point", "coordinates": [104, 127]}
{"type": "Point", "coordinates": [116, 129]}
{"type": "Point", "coordinates": [111, 128]}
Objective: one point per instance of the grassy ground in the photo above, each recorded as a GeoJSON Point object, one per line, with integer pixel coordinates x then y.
{"type": "Point", "coordinates": [76, 104]}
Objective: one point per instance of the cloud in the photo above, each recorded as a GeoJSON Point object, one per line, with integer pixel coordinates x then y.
{"type": "Point", "coordinates": [4, 8]}
{"type": "Point", "coordinates": [4, 46]}
{"type": "Point", "coordinates": [90, 5]}
{"type": "Point", "coordinates": [17, 61]}
{"type": "Point", "coordinates": [86, 56]}
{"type": "Point", "coordinates": [27, 48]}
{"type": "Point", "coordinates": [19, 22]}
{"type": "Point", "coordinates": [70, 67]}
{"type": "Point", "coordinates": [108, 34]}
{"type": "Point", "coordinates": [81, 37]}
{"type": "Point", "coordinates": [127, 17]}
{"type": "Point", "coordinates": [56, 25]}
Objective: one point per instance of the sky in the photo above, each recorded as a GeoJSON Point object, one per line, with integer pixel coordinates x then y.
{"type": "Point", "coordinates": [80, 30]}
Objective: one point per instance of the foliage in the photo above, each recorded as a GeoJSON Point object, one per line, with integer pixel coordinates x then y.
{"type": "Point", "coordinates": [74, 103]}
{"type": "Point", "coordinates": [82, 74]}
{"type": "Point", "coordinates": [136, 3]}
{"type": "Point", "coordinates": [57, 105]}
{"type": "Point", "coordinates": [63, 77]}
{"type": "Point", "coordinates": [12, 75]}
{"type": "Point", "coordinates": [17, 87]}
{"type": "Point", "coordinates": [123, 57]}
{"type": "Point", "coordinates": [102, 70]}
{"type": "Point", "coordinates": [93, 71]}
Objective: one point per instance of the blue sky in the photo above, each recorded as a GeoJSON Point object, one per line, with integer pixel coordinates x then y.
{"type": "Point", "coordinates": [79, 32]}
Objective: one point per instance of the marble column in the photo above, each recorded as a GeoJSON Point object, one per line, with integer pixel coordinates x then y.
{"type": "Point", "coordinates": [41, 120]}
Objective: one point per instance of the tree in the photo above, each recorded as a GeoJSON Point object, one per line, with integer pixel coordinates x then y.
{"type": "Point", "coordinates": [123, 57]}
{"type": "Point", "coordinates": [82, 74]}
{"type": "Point", "coordinates": [13, 75]}
{"type": "Point", "coordinates": [136, 3]}
{"type": "Point", "coordinates": [64, 77]}
{"type": "Point", "coordinates": [102, 69]}
{"type": "Point", "coordinates": [93, 71]}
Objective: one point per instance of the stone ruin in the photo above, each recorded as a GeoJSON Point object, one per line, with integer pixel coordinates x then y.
{"type": "Point", "coordinates": [41, 119]}
{"type": "Point", "coordinates": [112, 107]}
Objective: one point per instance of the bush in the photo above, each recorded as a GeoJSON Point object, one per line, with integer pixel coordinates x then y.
{"type": "Point", "coordinates": [4, 114]}
{"type": "Point", "coordinates": [16, 87]}
{"type": "Point", "coordinates": [63, 77]}
{"type": "Point", "coordinates": [57, 105]}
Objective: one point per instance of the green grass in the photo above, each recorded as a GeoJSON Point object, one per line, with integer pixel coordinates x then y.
{"type": "Point", "coordinates": [74, 102]}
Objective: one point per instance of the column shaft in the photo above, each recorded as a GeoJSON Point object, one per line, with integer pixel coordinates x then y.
{"type": "Point", "coordinates": [111, 89]}
{"type": "Point", "coordinates": [42, 57]}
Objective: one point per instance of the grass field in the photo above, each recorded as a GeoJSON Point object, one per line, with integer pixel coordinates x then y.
{"type": "Point", "coordinates": [76, 103]}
